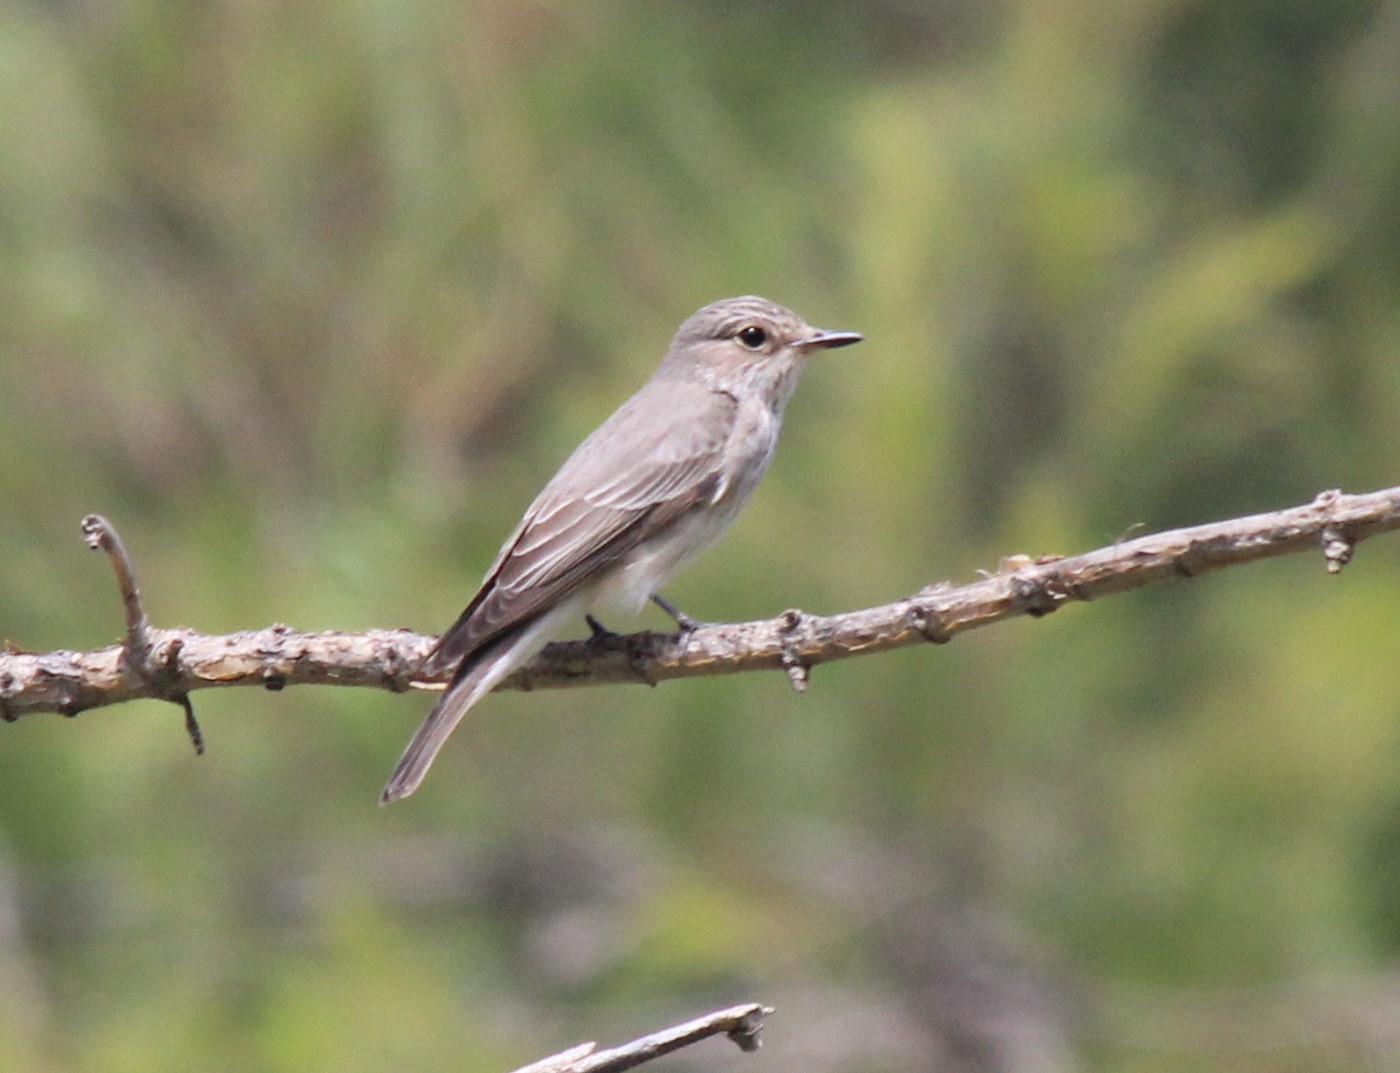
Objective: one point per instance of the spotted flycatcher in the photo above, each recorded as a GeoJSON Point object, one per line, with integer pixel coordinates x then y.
{"type": "Point", "coordinates": [651, 488]}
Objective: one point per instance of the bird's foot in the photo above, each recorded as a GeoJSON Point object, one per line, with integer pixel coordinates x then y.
{"type": "Point", "coordinates": [684, 622]}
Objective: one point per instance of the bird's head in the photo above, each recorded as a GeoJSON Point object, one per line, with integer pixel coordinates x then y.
{"type": "Point", "coordinates": [748, 343]}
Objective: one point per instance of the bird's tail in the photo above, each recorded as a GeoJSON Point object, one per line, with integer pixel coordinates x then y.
{"type": "Point", "coordinates": [477, 677]}
{"type": "Point", "coordinates": [478, 673]}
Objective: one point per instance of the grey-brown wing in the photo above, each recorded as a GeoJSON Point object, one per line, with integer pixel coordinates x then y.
{"type": "Point", "coordinates": [628, 481]}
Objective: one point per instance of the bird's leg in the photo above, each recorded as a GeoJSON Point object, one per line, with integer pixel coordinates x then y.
{"type": "Point", "coordinates": [684, 621]}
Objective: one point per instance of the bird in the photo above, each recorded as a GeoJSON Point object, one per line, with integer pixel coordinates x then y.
{"type": "Point", "coordinates": [652, 487]}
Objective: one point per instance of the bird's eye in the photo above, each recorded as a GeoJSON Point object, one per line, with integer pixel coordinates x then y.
{"type": "Point", "coordinates": [752, 337]}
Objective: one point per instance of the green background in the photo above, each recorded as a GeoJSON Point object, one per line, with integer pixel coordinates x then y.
{"type": "Point", "coordinates": [310, 298]}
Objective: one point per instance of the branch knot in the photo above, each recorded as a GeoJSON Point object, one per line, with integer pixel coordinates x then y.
{"type": "Point", "coordinates": [797, 669]}
{"type": "Point", "coordinates": [1038, 593]}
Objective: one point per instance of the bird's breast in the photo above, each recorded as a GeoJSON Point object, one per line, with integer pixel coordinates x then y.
{"type": "Point", "coordinates": [648, 567]}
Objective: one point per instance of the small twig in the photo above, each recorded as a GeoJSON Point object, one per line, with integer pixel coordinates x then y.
{"type": "Point", "coordinates": [1336, 549]}
{"type": "Point", "coordinates": [139, 650]}
{"type": "Point", "coordinates": [101, 535]}
{"type": "Point", "coordinates": [1337, 546]}
{"type": "Point", "coordinates": [798, 671]}
{"type": "Point", "coordinates": [742, 1024]}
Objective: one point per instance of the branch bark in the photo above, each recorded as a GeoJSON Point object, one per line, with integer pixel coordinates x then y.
{"type": "Point", "coordinates": [168, 664]}
{"type": "Point", "coordinates": [740, 1023]}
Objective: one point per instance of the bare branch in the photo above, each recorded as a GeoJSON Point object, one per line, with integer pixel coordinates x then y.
{"type": "Point", "coordinates": [740, 1023]}
{"type": "Point", "coordinates": [178, 661]}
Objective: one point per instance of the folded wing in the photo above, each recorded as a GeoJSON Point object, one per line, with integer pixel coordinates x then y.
{"type": "Point", "coordinates": [630, 480]}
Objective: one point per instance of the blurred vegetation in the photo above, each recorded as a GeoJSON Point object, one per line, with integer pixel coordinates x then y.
{"type": "Point", "coordinates": [311, 297]}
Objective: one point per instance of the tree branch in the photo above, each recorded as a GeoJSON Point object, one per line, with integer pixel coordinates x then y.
{"type": "Point", "coordinates": [170, 663]}
{"type": "Point", "coordinates": [740, 1023]}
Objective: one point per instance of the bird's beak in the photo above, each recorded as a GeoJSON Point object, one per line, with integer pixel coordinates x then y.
{"type": "Point", "coordinates": [831, 340]}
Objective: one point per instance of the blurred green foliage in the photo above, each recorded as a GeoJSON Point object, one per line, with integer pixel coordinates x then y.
{"type": "Point", "coordinates": [311, 297]}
